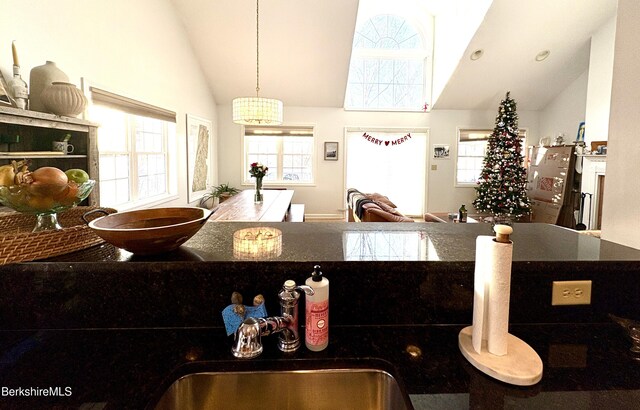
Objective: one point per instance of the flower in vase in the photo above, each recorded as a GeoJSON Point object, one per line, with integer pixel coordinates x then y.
{"type": "Point", "coordinates": [258, 170]}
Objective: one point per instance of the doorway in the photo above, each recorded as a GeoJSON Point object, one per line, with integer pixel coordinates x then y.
{"type": "Point", "coordinates": [392, 162]}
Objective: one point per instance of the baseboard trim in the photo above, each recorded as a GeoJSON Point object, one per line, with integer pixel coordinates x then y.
{"type": "Point", "coordinates": [325, 217]}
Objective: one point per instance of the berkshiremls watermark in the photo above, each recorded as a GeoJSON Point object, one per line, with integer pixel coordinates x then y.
{"type": "Point", "coordinates": [52, 391]}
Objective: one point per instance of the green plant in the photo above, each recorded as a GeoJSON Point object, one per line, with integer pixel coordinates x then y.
{"type": "Point", "coordinates": [221, 190]}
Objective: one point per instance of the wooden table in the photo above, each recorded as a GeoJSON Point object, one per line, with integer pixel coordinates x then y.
{"type": "Point", "coordinates": [241, 208]}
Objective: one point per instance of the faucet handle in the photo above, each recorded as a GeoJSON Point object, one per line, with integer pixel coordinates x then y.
{"type": "Point", "coordinates": [247, 343]}
{"type": "Point", "coordinates": [292, 291]}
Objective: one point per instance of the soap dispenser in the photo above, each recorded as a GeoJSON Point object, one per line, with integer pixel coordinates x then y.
{"type": "Point", "coordinates": [317, 312]}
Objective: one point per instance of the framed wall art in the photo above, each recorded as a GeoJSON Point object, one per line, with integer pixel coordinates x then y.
{"type": "Point", "coordinates": [440, 151]}
{"type": "Point", "coordinates": [198, 156]}
{"type": "Point", "coordinates": [331, 151]}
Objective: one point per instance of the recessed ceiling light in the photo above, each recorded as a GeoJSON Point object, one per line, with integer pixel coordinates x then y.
{"type": "Point", "coordinates": [541, 56]}
{"type": "Point", "coordinates": [477, 54]}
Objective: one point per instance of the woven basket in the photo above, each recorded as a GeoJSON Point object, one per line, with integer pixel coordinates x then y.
{"type": "Point", "coordinates": [19, 244]}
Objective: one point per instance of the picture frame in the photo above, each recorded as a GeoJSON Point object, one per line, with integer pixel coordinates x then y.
{"type": "Point", "coordinates": [5, 96]}
{"type": "Point", "coordinates": [441, 151]}
{"type": "Point", "coordinates": [198, 156]}
{"type": "Point", "coordinates": [580, 135]}
{"type": "Point", "coordinates": [331, 151]}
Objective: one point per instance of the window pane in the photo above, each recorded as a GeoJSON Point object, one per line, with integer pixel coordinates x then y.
{"type": "Point", "coordinates": [386, 31]}
{"type": "Point", "coordinates": [122, 166]}
{"type": "Point", "coordinates": [288, 158]}
{"type": "Point", "coordinates": [107, 167]}
{"type": "Point", "coordinates": [393, 78]}
{"type": "Point", "coordinates": [122, 191]}
{"type": "Point", "coordinates": [122, 138]}
{"type": "Point", "coordinates": [471, 150]}
{"type": "Point", "coordinates": [112, 133]}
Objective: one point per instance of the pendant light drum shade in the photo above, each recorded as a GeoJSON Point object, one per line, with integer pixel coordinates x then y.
{"type": "Point", "coordinates": [257, 111]}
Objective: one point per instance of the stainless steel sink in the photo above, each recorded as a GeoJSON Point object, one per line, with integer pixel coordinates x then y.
{"type": "Point", "coordinates": [339, 388]}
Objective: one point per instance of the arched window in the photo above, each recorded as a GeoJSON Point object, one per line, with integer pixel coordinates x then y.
{"type": "Point", "coordinates": [390, 66]}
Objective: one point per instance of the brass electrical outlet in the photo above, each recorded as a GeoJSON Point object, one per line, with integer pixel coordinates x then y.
{"type": "Point", "coordinates": [571, 292]}
{"type": "Point", "coordinates": [434, 167]}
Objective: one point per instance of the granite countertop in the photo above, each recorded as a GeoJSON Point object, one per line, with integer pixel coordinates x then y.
{"type": "Point", "coordinates": [118, 332]}
{"type": "Point", "coordinates": [587, 367]}
{"type": "Point", "coordinates": [324, 241]}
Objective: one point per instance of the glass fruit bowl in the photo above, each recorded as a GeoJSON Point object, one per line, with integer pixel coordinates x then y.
{"type": "Point", "coordinates": [21, 198]}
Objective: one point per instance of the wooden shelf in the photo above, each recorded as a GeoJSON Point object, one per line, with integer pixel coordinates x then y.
{"type": "Point", "coordinates": [68, 156]}
{"type": "Point", "coordinates": [37, 130]}
{"type": "Point", "coordinates": [10, 115]}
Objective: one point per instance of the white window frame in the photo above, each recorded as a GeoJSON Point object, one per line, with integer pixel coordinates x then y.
{"type": "Point", "coordinates": [275, 131]}
{"type": "Point", "coordinates": [479, 130]}
{"type": "Point", "coordinates": [130, 108]}
{"type": "Point", "coordinates": [425, 53]}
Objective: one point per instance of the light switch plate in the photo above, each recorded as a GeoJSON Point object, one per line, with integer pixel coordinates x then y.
{"type": "Point", "coordinates": [571, 292]}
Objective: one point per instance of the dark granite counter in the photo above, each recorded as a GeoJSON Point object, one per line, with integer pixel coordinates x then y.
{"type": "Point", "coordinates": [381, 241]}
{"type": "Point", "coordinates": [115, 328]}
{"type": "Point", "coordinates": [585, 367]}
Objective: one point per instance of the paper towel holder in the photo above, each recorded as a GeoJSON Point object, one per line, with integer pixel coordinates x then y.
{"type": "Point", "coordinates": [502, 233]}
{"type": "Point", "coordinates": [521, 365]}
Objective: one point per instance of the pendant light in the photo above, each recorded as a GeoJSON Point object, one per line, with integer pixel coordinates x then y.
{"type": "Point", "coordinates": [257, 110]}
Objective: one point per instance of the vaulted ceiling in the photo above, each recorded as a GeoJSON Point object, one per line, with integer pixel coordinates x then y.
{"type": "Point", "coordinates": [305, 47]}
{"type": "Point", "coordinates": [511, 35]}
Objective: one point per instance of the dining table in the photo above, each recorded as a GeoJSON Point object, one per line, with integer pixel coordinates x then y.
{"type": "Point", "coordinates": [243, 208]}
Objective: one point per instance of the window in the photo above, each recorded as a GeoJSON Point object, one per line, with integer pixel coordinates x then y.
{"type": "Point", "coordinates": [472, 144]}
{"type": "Point", "coordinates": [390, 66]}
{"type": "Point", "coordinates": [135, 157]}
{"type": "Point", "coordinates": [287, 151]}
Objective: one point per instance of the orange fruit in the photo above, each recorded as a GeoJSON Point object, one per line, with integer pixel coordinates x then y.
{"type": "Point", "coordinates": [40, 203]}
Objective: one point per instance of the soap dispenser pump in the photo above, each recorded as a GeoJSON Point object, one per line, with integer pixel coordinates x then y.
{"type": "Point", "coordinates": [317, 312]}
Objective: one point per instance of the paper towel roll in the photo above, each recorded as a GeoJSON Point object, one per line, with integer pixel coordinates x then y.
{"type": "Point", "coordinates": [481, 291]}
{"type": "Point", "coordinates": [492, 287]}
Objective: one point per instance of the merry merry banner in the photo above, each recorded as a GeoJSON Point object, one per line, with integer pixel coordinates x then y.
{"type": "Point", "coordinates": [377, 141]}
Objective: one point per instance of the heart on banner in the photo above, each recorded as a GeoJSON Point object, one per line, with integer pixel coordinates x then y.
{"type": "Point", "coordinates": [386, 143]}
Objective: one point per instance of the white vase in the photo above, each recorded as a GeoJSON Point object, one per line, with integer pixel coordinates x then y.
{"type": "Point", "coordinates": [40, 77]}
{"type": "Point", "coordinates": [63, 98]}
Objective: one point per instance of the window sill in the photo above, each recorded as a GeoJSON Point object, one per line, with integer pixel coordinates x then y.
{"type": "Point", "coordinates": [278, 184]}
{"type": "Point", "coordinates": [148, 203]}
{"type": "Point", "coordinates": [398, 110]}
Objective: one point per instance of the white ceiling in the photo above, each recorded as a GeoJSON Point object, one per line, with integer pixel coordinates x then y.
{"type": "Point", "coordinates": [305, 47]}
{"type": "Point", "coordinates": [512, 33]}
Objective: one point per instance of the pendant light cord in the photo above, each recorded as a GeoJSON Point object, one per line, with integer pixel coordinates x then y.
{"type": "Point", "coordinates": [257, 47]}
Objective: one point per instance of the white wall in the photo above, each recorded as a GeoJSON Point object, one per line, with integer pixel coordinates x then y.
{"type": "Point", "coordinates": [136, 48]}
{"type": "Point", "coordinates": [326, 198]}
{"type": "Point", "coordinates": [566, 111]}
{"type": "Point", "coordinates": [621, 214]}
{"type": "Point", "coordinates": [599, 88]}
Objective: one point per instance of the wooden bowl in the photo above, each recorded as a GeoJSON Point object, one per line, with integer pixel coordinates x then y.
{"type": "Point", "coordinates": [150, 231]}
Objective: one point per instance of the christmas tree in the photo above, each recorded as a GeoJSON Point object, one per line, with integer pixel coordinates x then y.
{"type": "Point", "coordinates": [501, 186]}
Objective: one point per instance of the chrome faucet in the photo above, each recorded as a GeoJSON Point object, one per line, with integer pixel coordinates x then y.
{"type": "Point", "coordinates": [248, 345]}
